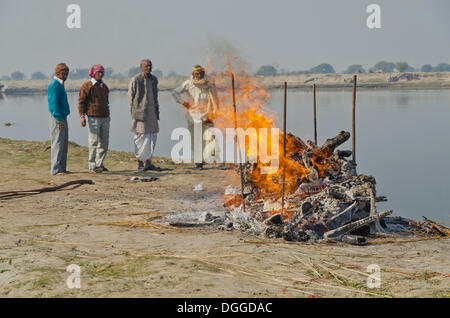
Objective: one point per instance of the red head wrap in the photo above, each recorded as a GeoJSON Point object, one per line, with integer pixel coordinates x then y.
{"type": "Point", "coordinates": [96, 68]}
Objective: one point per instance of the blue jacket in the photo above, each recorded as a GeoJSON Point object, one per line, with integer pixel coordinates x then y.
{"type": "Point", "coordinates": [57, 101]}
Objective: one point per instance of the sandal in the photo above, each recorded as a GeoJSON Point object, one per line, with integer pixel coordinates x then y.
{"type": "Point", "coordinates": [153, 168]}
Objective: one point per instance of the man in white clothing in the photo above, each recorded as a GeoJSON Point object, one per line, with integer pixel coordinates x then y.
{"type": "Point", "coordinates": [144, 107]}
{"type": "Point", "coordinates": [202, 107]}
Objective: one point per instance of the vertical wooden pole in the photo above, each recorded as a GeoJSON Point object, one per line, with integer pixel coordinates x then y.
{"type": "Point", "coordinates": [315, 114]}
{"type": "Point", "coordinates": [235, 139]}
{"type": "Point", "coordinates": [284, 148]}
{"type": "Point", "coordinates": [234, 100]}
{"type": "Point", "coordinates": [354, 120]}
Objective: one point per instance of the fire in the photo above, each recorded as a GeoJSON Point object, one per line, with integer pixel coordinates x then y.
{"type": "Point", "coordinates": [252, 112]}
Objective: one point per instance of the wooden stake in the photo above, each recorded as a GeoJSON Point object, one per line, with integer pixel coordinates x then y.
{"type": "Point", "coordinates": [236, 141]}
{"type": "Point", "coordinates": [315, 115]}
{"type": "Point", "coordinates": [234, 100]}
{"type": "Point", "coordinates": [354, 120]}
{"type": "Point", "coordinates": [284, 147]}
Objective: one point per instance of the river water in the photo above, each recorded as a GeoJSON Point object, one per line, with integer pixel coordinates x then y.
{"type": "Point", "coordinates": [402, 136]}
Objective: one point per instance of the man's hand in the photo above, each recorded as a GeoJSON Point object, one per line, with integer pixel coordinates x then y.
{"type": "Point", "coordinates": [186, 104]}
{"type": "Point", "coordinates": [61, 126]}
{"type": "Point", "coordinates": [83, 121]}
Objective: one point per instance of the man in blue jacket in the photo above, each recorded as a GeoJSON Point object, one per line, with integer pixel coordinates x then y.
{"type": "Point", "coordinates": [59, 109]}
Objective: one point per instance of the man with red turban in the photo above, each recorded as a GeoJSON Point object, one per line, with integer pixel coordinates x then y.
{"type": "Point", "coordinates": [94, 102]}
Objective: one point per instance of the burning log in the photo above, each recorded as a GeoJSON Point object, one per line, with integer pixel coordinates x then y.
{"type": "Point", "coordinates": [297, 142]}
{"type": "Point", "coordinates": [305, 158]}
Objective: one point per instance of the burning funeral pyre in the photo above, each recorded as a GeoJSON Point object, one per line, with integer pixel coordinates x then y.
{"type": "Point", "coordinates": [325, 197]}
{"type": "Point", "coordinates": [315, 195]}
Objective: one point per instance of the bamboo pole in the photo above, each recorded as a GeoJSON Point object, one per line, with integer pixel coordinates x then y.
{"type": "Point", "coordinates": [315, 114]}
{"type": "Point", "coordinates": [235, 127]}
{"type": "Point", "coordinates": [284, 147]}
{"type": "Point", "coordinates": [354, 120]}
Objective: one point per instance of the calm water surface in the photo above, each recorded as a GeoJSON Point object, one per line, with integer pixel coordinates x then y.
{"type": "Point", "coordinates": [402, 136]}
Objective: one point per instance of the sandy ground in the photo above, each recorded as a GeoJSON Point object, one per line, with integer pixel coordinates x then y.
{"type": "Point", "coordinates": [300, 81]}
{"type": "Point", "coordinates": [42, 234]}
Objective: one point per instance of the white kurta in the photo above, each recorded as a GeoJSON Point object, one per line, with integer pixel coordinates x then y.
{"type": "Point", "coordinates": [203, 100]}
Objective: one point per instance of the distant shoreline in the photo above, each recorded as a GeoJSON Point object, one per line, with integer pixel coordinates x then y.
{"type": "Point", "coordinates": [370, 81]}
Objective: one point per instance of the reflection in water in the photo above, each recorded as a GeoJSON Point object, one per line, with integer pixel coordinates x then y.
{"type": "Point", "coordinates": [407, 151]}
{"type": "Point", "coordinates": [402, 101]}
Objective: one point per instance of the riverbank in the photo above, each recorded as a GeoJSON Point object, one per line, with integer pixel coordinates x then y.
{"type": "Point", "coordinates": [416, 80]}
{"type": "Point", "coordinates": [110, 229]}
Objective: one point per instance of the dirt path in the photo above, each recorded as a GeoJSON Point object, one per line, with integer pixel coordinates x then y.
{"type": "Point", "coordinates": [40, 235]}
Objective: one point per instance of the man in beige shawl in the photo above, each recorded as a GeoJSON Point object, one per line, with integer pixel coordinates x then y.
{"type": "Point", "coordinates": [202, 107]}
{"type": "Point", "coordinates": [144, 106]}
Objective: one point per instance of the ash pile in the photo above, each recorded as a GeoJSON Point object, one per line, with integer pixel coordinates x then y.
{"type": "Point", "coordinates": [325, 198]}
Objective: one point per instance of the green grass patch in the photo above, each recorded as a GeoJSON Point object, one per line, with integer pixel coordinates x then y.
{"type": "Point", "coordinates": [207, 267]}
{"type": "Point", "coordinates": [47, 278]}
{"type": "Point", "coordinates": [132, 268]}
{"type": "Point", "coordinates": [339, 280]}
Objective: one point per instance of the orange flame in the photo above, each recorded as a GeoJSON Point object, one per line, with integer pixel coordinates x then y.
{"type": "Point", "coordinates": [252, 112]}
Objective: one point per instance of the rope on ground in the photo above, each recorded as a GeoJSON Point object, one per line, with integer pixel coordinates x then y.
{"type": "Point", "coordinates": [9, 194]}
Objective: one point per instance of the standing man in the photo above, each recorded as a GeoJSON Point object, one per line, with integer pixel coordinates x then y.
{"type": "Point", "coordinates": [144, 106]}
{"type": "Point", "coordinates": [201, 109]}
{"type": "Point", "coordinates": [58, 107]}
{"type": "Point", "coordinates": [94, 102]}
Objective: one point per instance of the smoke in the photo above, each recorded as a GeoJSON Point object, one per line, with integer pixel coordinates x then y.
{"type": "Point", "coordinates": [221, 54]}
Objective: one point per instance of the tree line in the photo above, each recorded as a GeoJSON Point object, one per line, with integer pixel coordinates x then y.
{"type": "Point", "coordinates": [264, 70]}
{"type": "Point", "coordinates": [80, 73]}
{"type": "Point", "coordinates": [380, 67]}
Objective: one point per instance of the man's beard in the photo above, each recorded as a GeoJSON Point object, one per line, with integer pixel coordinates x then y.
{"type": "Point", "coordinates": [200, 81]}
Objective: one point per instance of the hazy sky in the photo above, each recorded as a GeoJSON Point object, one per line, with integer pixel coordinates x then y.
{"type": "Point", "coordinates": [290, 34]}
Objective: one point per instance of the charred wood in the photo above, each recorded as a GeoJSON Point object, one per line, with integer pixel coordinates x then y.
{"type": "Point", "coordinates": [355, 225]}
{"type": "Point", "coordinates": [333, 143]}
